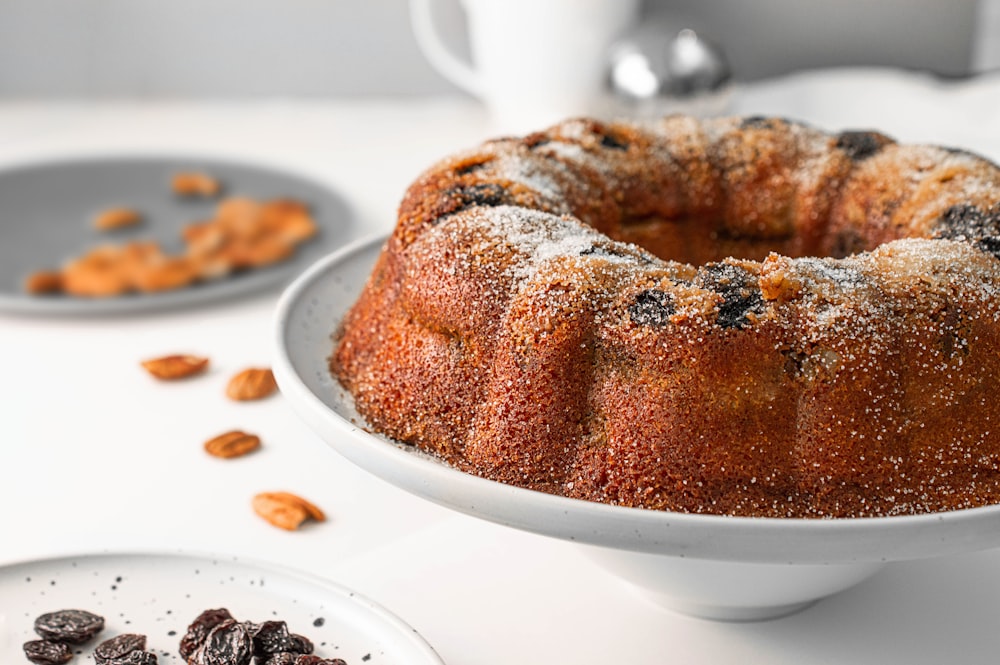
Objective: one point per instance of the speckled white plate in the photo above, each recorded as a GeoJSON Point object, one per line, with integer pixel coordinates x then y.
{"type": "Point", "coordinates": [159, 594]}
{"type": "Point", "coordinates": [46, 208]}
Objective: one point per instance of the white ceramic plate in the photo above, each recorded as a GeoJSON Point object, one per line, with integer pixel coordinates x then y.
{"type": "Point", "coordinates": [160, 594]}
{"type": "Point", "coordinates": [46, 207]}
{"type": "Point", "coordinates": [711, 566]}
{"type": "Point", "coordinates": [309, 312]}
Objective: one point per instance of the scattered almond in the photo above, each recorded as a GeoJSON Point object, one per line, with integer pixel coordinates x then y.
{"type": "Point", "coordinates": [250, 384]}
{"type": "Point", "coordinates": [192, 183]}
{"type": "Point", "coordinates": [232, 444]}
{"type": "Point", "coordinates": [239, 216]}
{"type": "Point", "coordinates": [203, 237]}
{"type": "Point", "coordinates": [96, 274]}
{"type": "Point", "coordinates": [258, 252]}
{"type": "Point", "coordinates": [285, 510]}
{"type": "Point", "coordinates": [213, 266]}
{"type": "Point", "coordinates": [164, 274]}
{"type": "Point", "coordinates": [44, 281]}
{"type": "Point", "coordinates": [175, 366]}
{"type": "Point", "coordinates": [116, 218]}
{"type": "Point", "coordinates": [288, 219]}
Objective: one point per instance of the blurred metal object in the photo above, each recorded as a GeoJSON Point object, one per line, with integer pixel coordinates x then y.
{"type": "Point", "coordinates": [653, 73]}
{"type": "Point", "coordinates": [695, 65]}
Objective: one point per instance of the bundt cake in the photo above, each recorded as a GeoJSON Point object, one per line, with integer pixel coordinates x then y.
{"type": "Point", "coordinates": [741, 316]}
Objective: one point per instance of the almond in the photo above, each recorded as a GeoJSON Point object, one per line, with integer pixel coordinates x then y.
{"type": "Point", "coordinates": [138, 253]}
{"type": "Point", "coordinates": [239, 216]}
{"type": "Point", "coordinates": [212, 266]}
{"type": "Point", "coordinates": [44, 281]}
{"type": "Point", "coordinates": [191, 183]}
{"type": "Point", "coordinates": [116, 218]}
{"type": "Point", "coordinates": [175, 366]}
{"type": "Point", "coordinates": [98, 273]}
{"type": "Point", "coordinates": [296, 228]}
{"type": "Point", "coordinates": [286, 510]}
{"type": "Point", "coordinates": [289, 220]}
{"type": "Point", "coordinates": [232, 444]}
{"type": "Point", "coordinates": [164, 274]}
{"type": "Point", "coordinates": [250, 384]}
{"type": "Point", "coordinates": [258, 252]}
{"type": "Point", "coordinates": [203, 237]}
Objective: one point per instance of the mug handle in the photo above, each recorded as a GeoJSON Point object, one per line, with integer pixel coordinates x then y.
{"type": "Point", "coordinates": [456, 71]}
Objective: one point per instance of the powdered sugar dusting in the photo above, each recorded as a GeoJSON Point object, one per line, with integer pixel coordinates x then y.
{"type": "Point", "coordinates": [541, 238]}
{"type": "Point", "coordinates": [532, 174]}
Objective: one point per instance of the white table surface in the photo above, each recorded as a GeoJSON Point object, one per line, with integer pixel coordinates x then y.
{"type": "Point", "coordinates": [81, 420]}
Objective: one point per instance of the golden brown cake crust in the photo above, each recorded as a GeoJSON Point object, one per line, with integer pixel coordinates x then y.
{"type": "Point", "coordinates": [560, 312]}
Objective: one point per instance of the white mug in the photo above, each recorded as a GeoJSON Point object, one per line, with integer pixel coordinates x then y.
{"type": "Point", "coordinates": [534, 62]}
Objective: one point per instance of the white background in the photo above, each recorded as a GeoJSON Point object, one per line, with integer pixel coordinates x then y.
{"type": "Point", "coordinates": [323, 48]}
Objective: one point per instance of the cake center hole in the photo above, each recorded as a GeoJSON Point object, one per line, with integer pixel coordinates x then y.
{"type": "Point", "coordinates": [698, 241]}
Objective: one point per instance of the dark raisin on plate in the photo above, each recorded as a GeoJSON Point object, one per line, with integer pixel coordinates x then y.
{"type": "Point", "coordinates": [289, 658]}
{"type": "Point", "coordinates": [272, 637]}
{"type": "Point", "coordinates": [134, 658]}
{"type": "Point", "coordinates": [228, 643]}
{"type": "Point", "coordinates": [72, 626]}
{"type": "Point", "coordinates": [316, 660]}
{"type": "Point", "coordinates": [118, 647]}
{"type": "Point", "coordinates": [280, 658]}
{"type": "Point", "coordinates": [200, 628]}
{"type": "Point", "coordinates": [216, 638]}
{"type": "Point", "coordinates": [300, 644]}
{"type": "Point", "coordinates": [45, 652]}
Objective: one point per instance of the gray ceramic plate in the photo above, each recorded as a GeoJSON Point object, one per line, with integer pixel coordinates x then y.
{"type": "Point", "coordinates": [46, 210]}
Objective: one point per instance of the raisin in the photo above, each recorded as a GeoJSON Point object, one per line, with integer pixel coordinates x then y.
{"type": "Point", "coordinates": [300, 644]}
{"type": "Point", "coordinates": [971, 224]}
{"type": "Point", "coordinates": [200, 628]}
{"type": "Point", "coordinates": [459, 198]}
{"type": "Point", "coordinates": [963, 219]}
{"type": "Point", "coordinates": [759, 122]}
{"type": "Point", "coordinates": [990, 244]}
{"type": "Point", "coordinates": [273, 637]}
{"type": "Point", "coordinates": [232, 642]}
{"type": "Point", "coordinates": [316, 660]}
{"type": "Point", "coordinates": [611, 142]}
{"type": "Point", "coordinates": [228, 643]}
{"type": "Point", "coordinates": [861, 145]}
{"type": "Point", "coordinates": [609, 252]}
{"type": "Point", "coordinates": [308, 660]}
{"type": "Point", "coordinates": [733, 313]}
{"type": "Point", "coordinates": [652, 308]}
{"type": "Point", "coordinates": [45, 652]}
{"type": "Point", "coordinates": [740, 291]}
{"type": "Point", "coordinates": [134, 658]}
{"type": "Point", "coordinates": [119, 647]}
{"type": "Point", "coordinates": [72, 626]}
{"type": "Point", "coordinates": [282, 658]}
{"type": "Point", "coordinates": [484, 194]}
